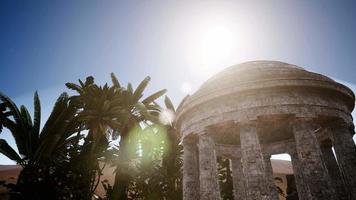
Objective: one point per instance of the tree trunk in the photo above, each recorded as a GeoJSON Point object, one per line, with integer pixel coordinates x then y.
{"type": "Point", "coordinates": [122, 178]}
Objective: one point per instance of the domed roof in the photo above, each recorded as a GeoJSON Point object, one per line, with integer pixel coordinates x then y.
{"type": "Point", "coordinates": [254, 72]}
{"type": "Point", "coordinates": [261, 75]}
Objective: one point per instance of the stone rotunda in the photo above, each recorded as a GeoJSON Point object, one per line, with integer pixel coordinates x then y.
{"type": "Point", "coordinates": [253, 110]}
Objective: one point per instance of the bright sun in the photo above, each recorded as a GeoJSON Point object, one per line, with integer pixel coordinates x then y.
{"type": "Point", "coordinates": [213, 46]}
{"type": "Point", "coordinates": [216, 44]}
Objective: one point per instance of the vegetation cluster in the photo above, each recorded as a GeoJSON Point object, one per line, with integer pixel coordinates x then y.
{"type": "Point", "coordinates": [99, 126]}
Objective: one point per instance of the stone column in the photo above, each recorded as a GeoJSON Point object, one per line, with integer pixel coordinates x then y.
{"type": "Point", "coordinates": [252, 163]}
{"type": "Point", "coordinates": [190, 169]}
{"type": "Point", "coordinates": [238, 179]}
{"type": "Point", "coordinates": [209, 186]}
{"type": "Point", "coordinates": [302, 188]}
{"type": "Point", "coordinates": [270, 177]}
{"type": "Point", "coordinates": [315, 174]}
{"type": "Point", "coordinates": [345, 151]}
{"type": "Point", "coordinates": [333, 170]}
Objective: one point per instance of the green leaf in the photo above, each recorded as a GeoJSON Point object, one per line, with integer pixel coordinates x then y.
{"type": "Point", "coordinates": [12, 107]}
{"type": "Point", "coordinates": [2, 106]}
{"type": "Point", "coordinates": [141, 108]}
{"type": "Point", "coordinates": [140, 88]}
{"type": "Point", "coordinates": [115, 81]}
{"type": "Point", "coordinates": [8, 151]}
{"type": "Point", "coordinates": [129, 88]}
{"type": "Point", "coordinates": [169, 103]}
{"type": "Point", "coordinates": [58, 108]}
{"type": "Point", "coordinates": [75, 87]}
{"type": "Point", "coordinates": [26, 118]}
{"type": "Point", "coordinates": [81, 83]}
{"type": "Point", "coordinates": [153, 97]}
{"type": "Point", "coordinates": [36, 115]}
{"type": "Point", "coordinates": [89, 80]}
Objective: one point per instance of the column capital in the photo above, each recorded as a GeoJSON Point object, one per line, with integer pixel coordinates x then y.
{"type": "Point", "coordinates": [247, 126]}
{"type": "Point", "coordinates": [302, 124]}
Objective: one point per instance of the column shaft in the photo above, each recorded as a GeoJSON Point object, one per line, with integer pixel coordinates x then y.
{"type": "Point", "coordinates": [238, 179]}
{"type": "Point", "coordinates": [302, 188]}
{"type": "Point", "coordinates": [252, 162]}
{"type": "Point", "coordinates": [209, 186]}
{"type": "Point", "coordinates": [315, 174]}
{"type": "Point", "coordinates": [334, 171]}
{"type": "Point", "coordinates": [190, 170]}
{"type": "Point", "coordinates": [345, 151]}
{"type": "Point", "coordinates": [270, 177]}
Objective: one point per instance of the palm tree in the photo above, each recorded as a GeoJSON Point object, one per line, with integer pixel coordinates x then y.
{"type": "Point", "coordinates": [114, 110]}
{"type": "Point", "coordinates": [139, 111]}
{"type": "Point", "coordinates": [172, 157]}
{"type": "Point", "coordinates": [159, 174]}
{"type": "Point", "coordinates": [100, 107]}
{"type": "Point", "coordinates": [38, 150]}
{"type": "Point", "coordinates": [33, 145]}
{"type": "Point", "coordinates": [24, 131]}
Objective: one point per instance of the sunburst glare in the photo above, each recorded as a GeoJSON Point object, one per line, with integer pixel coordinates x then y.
{"type": "Point", "coordinates": [166, 117]}
{"type": "Point", "coordinates": [215, 44]}
{"type": "Point", "coordinates": [186, 88]}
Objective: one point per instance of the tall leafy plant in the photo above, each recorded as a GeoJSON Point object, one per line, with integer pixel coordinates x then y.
{"type": "Point", "coordinates": [43, 154]}
{"type": "Point", "coordinates": [114, 110]}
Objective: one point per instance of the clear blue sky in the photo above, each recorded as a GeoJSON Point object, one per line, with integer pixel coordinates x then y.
{"type": "Point", "coordinates": [44, 44]}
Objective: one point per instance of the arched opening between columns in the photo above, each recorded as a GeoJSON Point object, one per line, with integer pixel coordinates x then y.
{"type": "Point", "coordinates": [283, 176]}
{"type": "Point", "coordinates": [225, 178]}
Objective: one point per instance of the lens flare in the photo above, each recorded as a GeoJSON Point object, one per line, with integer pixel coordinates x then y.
{"type": "Point", "coordinates": [166, 117]}
{"type": "Point", "coordinates": [186, 88]}
{"type": "Point", "coordinates": [147, 142]}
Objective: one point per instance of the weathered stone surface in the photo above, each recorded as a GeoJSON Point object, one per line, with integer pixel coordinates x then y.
{"type": "Point", "coordinates": [252, 163]}
{"type": "Point", "coordinates": [269, 177]}
{"type": "Point", "coordinates": [333, 170]}
{"type": "Point", "coordinates": [190, 169]}
{"type": "Point", "coordinates": [302, 187]}
{"type": "Point", "coordinates": [209, 186]}
{"type": "Point", "coordinates": [345, 151]}
{"type": "Point", "coordinates": [258, 88]}
{"type": "Point", "coordinates": [271, 94]}
{"type": "Point", "coordinates": [315, 174]}
{"type": "Point", "coordinates": [238, 179]}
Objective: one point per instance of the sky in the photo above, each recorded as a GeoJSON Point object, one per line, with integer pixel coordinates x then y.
{"type": "Point", "coordinates": [180, 44]}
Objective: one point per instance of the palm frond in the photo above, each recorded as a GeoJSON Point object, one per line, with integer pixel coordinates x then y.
{"type": "Point", "coordinates": [129, 88]}
{"type": "Point", "coordinates": [75, 87]}
{"type": "Point", "coordinates": [8, 151]}
{"type": "Point", "coordinates": [169, 104]}
{"type": "Point", "coordinates": [58, 108]}
{"type": "Point", "coordinates": [26, 117]}
{"type": "Point", "coordinates": [12, 107]}
{"type": "Point", "coordinates": [56, 132]}
{"type": "Point", "coordinates": [37, 114]}
{"type": "Point", "coordinates": [140, 88]}
{"type": "Point", "coordinates": [114, 80]}
{"type": "Point", "coordinates": [89, 80]}
{"type": "Point", "coordinates": [154, 96]}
